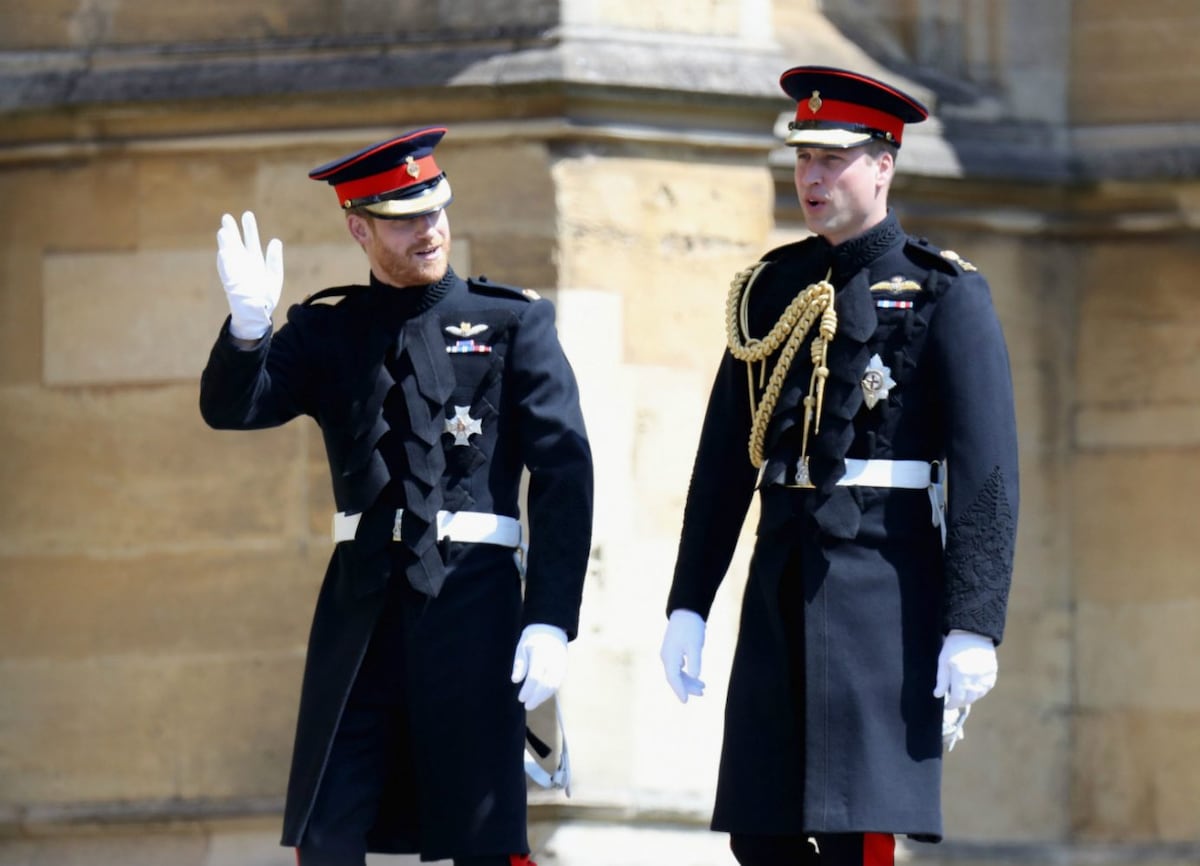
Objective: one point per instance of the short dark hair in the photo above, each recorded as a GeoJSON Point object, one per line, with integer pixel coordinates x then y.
{"type": "Point", "coordinates": [877, 147]}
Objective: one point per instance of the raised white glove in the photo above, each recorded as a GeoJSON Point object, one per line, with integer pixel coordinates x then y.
{"type": "Point", "coordinates": [966, 668]}
{"type": "Point", "coordinates": [252, 282]}
{"type": "Point", "coordinates": [541, 661]}
{"type": "Point", "coordinates": [680, 653]}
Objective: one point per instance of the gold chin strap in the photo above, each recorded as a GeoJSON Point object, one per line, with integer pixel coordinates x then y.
{"type": "Point", "coordinates": [793, 326]}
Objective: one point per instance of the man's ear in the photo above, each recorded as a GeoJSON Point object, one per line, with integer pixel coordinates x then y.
{"type": "Point", "coordinates": [885, 166]}
{"type": "Point", "coordinates": [359, 230]}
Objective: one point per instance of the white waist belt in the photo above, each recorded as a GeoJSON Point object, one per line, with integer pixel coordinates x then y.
{"type": "Point", "coordinates": [905, 474]}
{"type": "Point", "coordinates": [465, 526]}
{"type": "Point", "coordinates": [908, 474]}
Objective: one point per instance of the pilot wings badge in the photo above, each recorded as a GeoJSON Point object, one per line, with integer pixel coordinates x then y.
{"type": "Point", "coordinates": [466, 329]}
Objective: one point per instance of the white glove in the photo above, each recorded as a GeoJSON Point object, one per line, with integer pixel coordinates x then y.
{"type": "Point", "coordinates": [541, 661]}
{"type": "Point", "coordinates": [953, 723]}
{"type": "Point", "coordinates": [252, 283]}
{"type": "Point", "coordinates": [680, 653]}
{"type": "Point", "coordinates": [966, 668]}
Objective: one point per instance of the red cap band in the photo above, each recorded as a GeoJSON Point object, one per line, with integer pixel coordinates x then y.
{"type": "Point", "coordinates": [831, 110]}
{"type": "Point", "coordinates": [388, 181]}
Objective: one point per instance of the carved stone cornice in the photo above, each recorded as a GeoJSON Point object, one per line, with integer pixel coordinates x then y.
{"type": "Point", "coordinates": [171, 90]}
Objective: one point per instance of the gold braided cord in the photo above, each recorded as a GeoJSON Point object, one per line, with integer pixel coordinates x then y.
{"type": "Point", "coordinates": [752, 350]}
{"type": "Point", "coordinates": [793, 326]}
{"type": "Point", "coordinates": [737, 323]}
{"type": "Point", "coordinates": [814, 402]}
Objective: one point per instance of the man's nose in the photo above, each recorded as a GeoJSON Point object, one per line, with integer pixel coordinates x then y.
{"type": "Point", "coordinates": [426, 222]}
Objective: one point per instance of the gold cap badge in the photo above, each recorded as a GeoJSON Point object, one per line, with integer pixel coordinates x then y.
{"type": "Point", "coordinates": [412, 168]}
{"type": "Point", "coordinates": [814, 102]}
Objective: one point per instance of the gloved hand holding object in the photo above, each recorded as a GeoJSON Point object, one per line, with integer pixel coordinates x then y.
{"type": "Point", "coordinates": [953, 723]}
{"type": "Point", "coordinates": [680, 653]}
{"type": "Point", "coordinates": [252, 282]}
{"type": "Point", "coordinates": [541, 661]}
{"type": "Point", "coordinates": [966, 668]}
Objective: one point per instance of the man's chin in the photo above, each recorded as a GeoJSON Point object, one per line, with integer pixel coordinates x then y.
{"type": "Point", "coordinates": [419, 276]}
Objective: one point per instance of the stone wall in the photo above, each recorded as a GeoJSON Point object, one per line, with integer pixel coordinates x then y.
{"type": "Point", "coordinates": [94, 24]}
{"type": "Point", "coordinates": [156, 577]}
{"type": "Point", "coordinates": [1130, 63]}
{"type": "Point", "coordinates": [1135, 435]}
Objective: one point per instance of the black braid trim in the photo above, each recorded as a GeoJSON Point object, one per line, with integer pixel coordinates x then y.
{"type": "Point", "coordinates": [979, 556]}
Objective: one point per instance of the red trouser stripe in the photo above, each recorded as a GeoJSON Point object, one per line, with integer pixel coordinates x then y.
{"type": "Point", "coordinates": [879, 849]}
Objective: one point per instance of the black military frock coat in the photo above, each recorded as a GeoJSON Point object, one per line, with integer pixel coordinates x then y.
{"type": "Point", "coordinates": [831, 725]}
{"type": "Point", "coordinates": [382, 370]}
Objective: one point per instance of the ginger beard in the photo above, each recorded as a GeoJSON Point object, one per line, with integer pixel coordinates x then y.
{"type": "Point", "coordinates": [405, 252]}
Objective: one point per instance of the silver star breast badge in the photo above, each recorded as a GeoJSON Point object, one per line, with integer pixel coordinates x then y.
{"type": "Point", "coordinates": [877, 381]}
{"type": "Point", "coordinates": [462, 425]}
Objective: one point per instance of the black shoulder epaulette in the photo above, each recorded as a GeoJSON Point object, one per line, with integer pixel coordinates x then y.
{"type": "Point", "coordinates": [946, 261]}
{"type": "Point", "coordinates": [484, 284]}
{"type": "Point", "coordinates": [334, 292]}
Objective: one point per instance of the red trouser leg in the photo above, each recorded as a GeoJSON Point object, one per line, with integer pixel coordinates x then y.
{"type": "Point", "coordinates": [879, 849]}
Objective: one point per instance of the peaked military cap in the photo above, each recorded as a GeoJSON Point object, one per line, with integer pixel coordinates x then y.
{"type": "Point", "coordinates": [837, 108]}
{"type": "Point", "coordinates": [393, 179]}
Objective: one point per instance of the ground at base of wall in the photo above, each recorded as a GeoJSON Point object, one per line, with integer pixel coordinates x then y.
{"type": "Point", "coordinates": [254, 842]}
